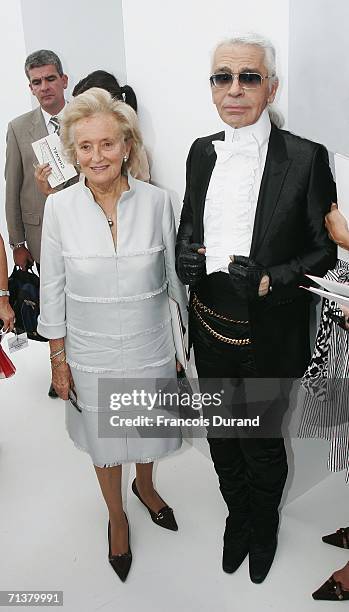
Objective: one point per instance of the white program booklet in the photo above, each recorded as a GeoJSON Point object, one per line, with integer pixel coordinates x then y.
{"type": "Point", "coordinates": [333, 286]}
{"type": "Point", "coordinates": [332, 290]}
{"type": "Point", "coordinates": [342, 180]}
{"type": "Point", "coordinates": [49, 150]}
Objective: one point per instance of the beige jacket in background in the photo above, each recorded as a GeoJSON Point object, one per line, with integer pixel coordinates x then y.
{"type": "Point", "coordinates": [24, 202]}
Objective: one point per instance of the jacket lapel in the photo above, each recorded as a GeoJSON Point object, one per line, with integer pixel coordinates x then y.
{"type": "Point", "coordinates": [38, 127]}
{"type": "Point", "coordinates": [275, 171]}
{"type": "Point", "coordinates": [207, 163]}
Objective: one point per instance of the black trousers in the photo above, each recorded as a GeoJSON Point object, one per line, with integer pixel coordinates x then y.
{"type": "Point", "coordinates": [251, 470]}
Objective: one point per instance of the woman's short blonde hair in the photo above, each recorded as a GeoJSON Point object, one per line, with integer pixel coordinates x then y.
{"type": "Point", "coordinates": [98, 101]}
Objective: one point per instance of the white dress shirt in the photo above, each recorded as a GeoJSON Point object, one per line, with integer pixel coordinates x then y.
{"type": "Point", "coordinates": [232, 194]}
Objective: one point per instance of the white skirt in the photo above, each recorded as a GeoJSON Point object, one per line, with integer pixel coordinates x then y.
{"type": "Point", "coordinates": [128, 444]}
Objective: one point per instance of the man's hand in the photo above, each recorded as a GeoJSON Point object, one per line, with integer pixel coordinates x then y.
{"type": "Point", "coordinates": [23, 258]}
{"type": "Point", "coordinates": [249, 279]}
{"type": "Point", "coordinates": [7, 315]}
{"type": "Point", "coordinates": [264, 286]}
{"type": "Point", "coordinates": [191, 265]}
{"type": "Point", "coordinates": [42, 172]}
{"type": "Point", "coordinates": [337, 227]}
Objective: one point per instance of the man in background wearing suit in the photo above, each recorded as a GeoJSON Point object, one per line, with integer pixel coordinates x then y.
{"type": "Point", "coordinates": [252, 225]}
{"type": "Point", "coordinates": [24, 202]}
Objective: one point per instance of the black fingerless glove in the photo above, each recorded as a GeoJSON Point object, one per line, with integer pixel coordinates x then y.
{"type": "Point", "coordinates": [246, 276]}
{"type": "Point", "coordinates": [191, 265]}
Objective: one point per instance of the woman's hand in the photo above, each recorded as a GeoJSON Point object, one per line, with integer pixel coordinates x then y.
{"type": "Point", "coordinates": [337, 227]}
{"type": "Point", "coordinates": [179, 366]}
{"type": "Point", "coordinates": [62, 379]}
{"type": "Point", "coordinates": [346, 315]}
{"type": "Point", "coordinates": [6, 315]}
{"type": "Point", "coordinates": [42, 172]}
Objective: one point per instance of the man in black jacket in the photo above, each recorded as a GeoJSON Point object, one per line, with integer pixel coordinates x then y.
{"type": "Point", "coordinates": [252, 226]}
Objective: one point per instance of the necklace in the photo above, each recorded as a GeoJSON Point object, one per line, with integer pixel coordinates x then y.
{"type": "Point", "coordinates": [108, 216]}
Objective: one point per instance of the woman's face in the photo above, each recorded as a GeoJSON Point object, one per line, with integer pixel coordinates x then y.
{"type": "Point", "coordinates": [100, 148]}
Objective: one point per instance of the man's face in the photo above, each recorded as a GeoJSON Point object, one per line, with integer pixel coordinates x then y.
{"type": "Point", "coordinates": [48, 87]}
{"type": "Point", "coordinates": [236, 106]}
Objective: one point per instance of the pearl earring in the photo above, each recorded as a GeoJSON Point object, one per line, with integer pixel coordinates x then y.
{"type": "Point", "coordinates": [77, 163]}
{"type": "Point", "coordinates": [125, 158]}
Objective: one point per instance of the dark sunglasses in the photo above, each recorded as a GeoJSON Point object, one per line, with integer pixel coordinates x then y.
{"type": "Point", "coordinates": [74, 400]}
{"type": "Point", "coordinates": [247, 80]}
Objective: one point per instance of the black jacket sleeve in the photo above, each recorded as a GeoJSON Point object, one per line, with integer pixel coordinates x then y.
{"type": "Point", "coordinates": [320, 253]}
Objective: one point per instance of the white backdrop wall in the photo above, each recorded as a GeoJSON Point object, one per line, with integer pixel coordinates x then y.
{"type": "Point", "coordinates": [84, 37]}
{"type": "Point", "coordinates": [319, 72]}
{"type": "Point", "coordinates": [15, 97]}
{"type": "Point", "coordinates": [168, 48]}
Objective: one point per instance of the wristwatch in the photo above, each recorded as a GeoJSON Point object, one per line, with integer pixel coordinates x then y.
{"type": "Point", "coordinates": [4, 292]}
{"type": "Point", "coordinates": [16, 246]}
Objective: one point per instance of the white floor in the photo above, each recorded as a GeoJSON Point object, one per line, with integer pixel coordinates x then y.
{"type": "Point", "coordinates": [53, 523]}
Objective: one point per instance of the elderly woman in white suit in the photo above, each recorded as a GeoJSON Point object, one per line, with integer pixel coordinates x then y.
{"type": "Point", "coordinates": [107, 269]}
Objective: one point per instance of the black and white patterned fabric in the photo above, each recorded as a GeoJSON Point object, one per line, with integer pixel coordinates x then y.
{"type": "Point", "coordinates": [325, 410]}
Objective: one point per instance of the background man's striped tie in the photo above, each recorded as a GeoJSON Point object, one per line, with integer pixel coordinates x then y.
{"type": "Point", "coordinates": [55, 122]}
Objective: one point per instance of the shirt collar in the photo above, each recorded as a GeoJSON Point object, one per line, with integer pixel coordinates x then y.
{"type": "Point", "coordinates": [125, 195]}
{"type": "Point", "coordinates": [259, 131]}
{"type": "Point", "coordinates": [47, 116]}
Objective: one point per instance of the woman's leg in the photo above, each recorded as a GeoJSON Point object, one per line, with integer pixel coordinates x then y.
{"type": "Point", "coordinates": [110, 482]}
{"type": "Point", "coordinates": [145, 486]}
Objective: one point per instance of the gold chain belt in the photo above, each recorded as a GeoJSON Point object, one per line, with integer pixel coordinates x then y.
{"type": "Point", "coordinates": [198, 304]}
{"type": "Point", "coordinates": [234, 341]}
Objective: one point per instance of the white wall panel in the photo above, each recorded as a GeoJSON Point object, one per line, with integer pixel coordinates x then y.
{"type": "Point", "coordinates": [86, 35]}
{"type": "Point", "coordinates": [319, 72]}
{"type": "Point", "coordinates": [15, 96]}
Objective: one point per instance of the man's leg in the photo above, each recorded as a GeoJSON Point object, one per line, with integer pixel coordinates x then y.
{"type": "Point", "coordinates": [230, 467]}
{"type": "Point", "coordinates": [266, 472]}
{"type": "Point", "coordinates": [215, 360]}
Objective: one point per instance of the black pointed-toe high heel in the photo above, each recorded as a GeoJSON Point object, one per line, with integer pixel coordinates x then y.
{"type": "Point", "coordinates": [331, 590]}
{"type": "Point", "coordinates": [340, 538]}
{"type": "Point", "coordinates": [164, 518]}
{"type": "Point", "coordinates": [120, 563]}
